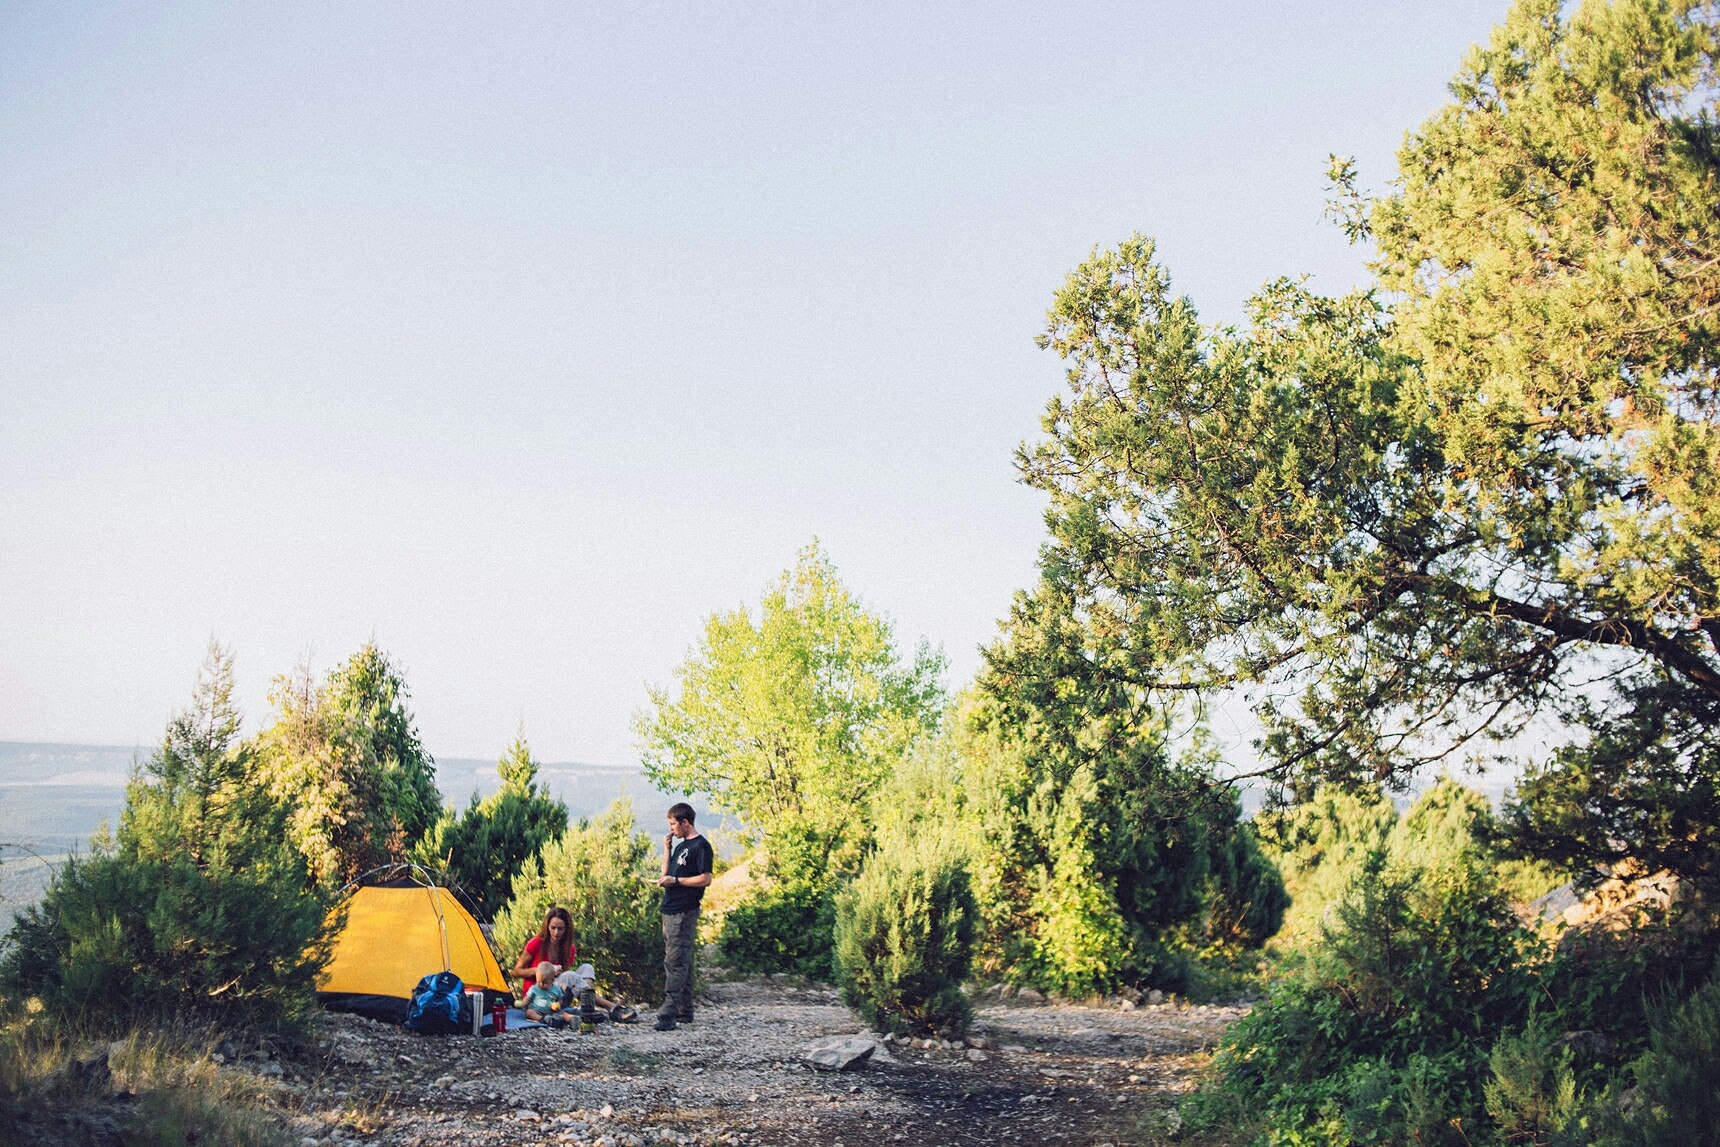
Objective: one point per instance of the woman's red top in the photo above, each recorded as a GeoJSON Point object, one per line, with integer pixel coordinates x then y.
{"type": "Point", "coordinates": [533, 959]}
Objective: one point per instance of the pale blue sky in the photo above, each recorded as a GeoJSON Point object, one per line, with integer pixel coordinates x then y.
{"type": "Point", "coordinates": [524, 337]}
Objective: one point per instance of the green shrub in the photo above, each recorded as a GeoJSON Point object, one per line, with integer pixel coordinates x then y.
{"type": "Point", "coordinates": [1531, 1093]}
{"type": "Point", "coordinates": [1097, 860]}
{"type": "Point", "coordinates": [781, 929]}
{"type": "Point", "coordinates": [1381, 1032]}
{"type": "Point", "coordinates": [601, 871]}
{"type": "Point", "coordinates": [787, 923]}
{"type": "Point", "coordinates": [117, 941]}
{"type": "Point", "coordinates": [1665, 1097]}
{"type": "Point", "coordinates": [904, 937]}
{"type": "Point", "coordinates": [1676, 1099]}
{"type": "Point", "coordinates": [201, 909]}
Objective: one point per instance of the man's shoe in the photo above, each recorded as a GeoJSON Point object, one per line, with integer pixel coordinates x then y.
{"type": "Point", "coordinates": [666, 1024]}
{"type": "Point", "coordinates": [684, 1019]}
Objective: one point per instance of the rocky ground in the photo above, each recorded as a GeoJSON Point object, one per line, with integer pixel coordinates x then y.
{"type": "Point", "coordinates": [1044, 1073]}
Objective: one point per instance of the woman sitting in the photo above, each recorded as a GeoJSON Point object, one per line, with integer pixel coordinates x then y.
{"type": "Point", "coordinates": [554, 946]}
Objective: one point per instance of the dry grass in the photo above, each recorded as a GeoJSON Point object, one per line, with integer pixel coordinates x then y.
{"type": "Point", "coordinates": [146, 1089]}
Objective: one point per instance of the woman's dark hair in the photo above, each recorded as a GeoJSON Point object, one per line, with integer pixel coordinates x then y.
{"type": "Point", "coordinates": [544, 941]}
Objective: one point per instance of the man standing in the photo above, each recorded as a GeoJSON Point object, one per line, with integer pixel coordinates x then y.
{"type": "Point", "coordinates": [686, 874]}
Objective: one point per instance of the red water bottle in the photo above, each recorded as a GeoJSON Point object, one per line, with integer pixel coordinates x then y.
{"type": "Point", "coordinates": [499, 1016]}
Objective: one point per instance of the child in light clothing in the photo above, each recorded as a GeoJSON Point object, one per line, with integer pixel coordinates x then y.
{"type": "Point", "coordinates": [545, 1000]}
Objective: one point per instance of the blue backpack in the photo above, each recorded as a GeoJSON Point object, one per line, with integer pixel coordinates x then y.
{"type": "Point", "coordinates": [439, 1006]}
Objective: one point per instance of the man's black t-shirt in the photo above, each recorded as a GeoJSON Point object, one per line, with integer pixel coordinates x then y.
{"type": "Point", "coordinates": [691, 857]}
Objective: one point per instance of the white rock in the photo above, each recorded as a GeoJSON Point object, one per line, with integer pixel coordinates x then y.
{"type": "Point", "coordinates": [840, 1053]}
{"type": "Point", "coordinates": [606, 1111]}
{"type": "Point", "coordinates": [527, 1115]}
{"type": "Point", "coordinates": [975, 1054]}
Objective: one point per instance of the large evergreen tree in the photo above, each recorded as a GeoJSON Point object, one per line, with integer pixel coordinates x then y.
{"type": "Point", "coordinates": [1402, 522]}
{"type": "Point", "coordinates": [1121, 853]}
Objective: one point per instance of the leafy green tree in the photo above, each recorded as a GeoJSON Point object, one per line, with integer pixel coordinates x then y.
{"type": "Point", "coordinates": [486, 846]}
{"type": "Point", "coordinates": [791, 720]}
{"type": "Point", "coordinates": [603, 872]}
{"type": "Point", "coordinates": [343, 758]}
{"type": "Point", "coordinates": [202, 908]}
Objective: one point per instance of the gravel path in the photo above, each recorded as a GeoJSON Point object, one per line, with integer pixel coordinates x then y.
{"type": "Point", "coordinates": [1048, 1073]}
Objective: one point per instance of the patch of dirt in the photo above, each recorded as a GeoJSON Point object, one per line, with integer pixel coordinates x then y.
{"type": "Point", "coordinates": [1049, 1073]}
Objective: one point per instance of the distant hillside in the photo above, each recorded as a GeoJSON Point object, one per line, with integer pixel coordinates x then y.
{"type": "Point", "coordinates": [52, 797]}
{"type": "Point", "coordinates": [585, 789]}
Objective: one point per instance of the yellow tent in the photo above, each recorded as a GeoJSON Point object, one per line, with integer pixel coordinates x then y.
{"type": "Point", "coordinates": [399, 930]}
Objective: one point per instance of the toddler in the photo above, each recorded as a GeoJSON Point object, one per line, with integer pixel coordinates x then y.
{"type": "Point", "coordinates": [545, 999]}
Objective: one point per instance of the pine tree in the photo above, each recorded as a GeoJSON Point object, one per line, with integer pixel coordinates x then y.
{"type": "Point", "coordinates": [487, 845]}
{"type": "Point", "coordinates": [344, 760]}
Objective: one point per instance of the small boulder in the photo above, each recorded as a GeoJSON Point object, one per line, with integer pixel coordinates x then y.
{"type": "Point", "coordinates": [840, 1053]}
{"type": "Point", "coordinates": [1031, 995]}
{"type": "Point", "coordinates": [89, 1073]}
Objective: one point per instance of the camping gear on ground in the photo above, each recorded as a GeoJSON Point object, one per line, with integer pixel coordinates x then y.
{"type": "Point", "coordinates": [402, 924]}
{"type": "Point", "coordinates": [437, 1005]}
{"type": "Point", "coordinates": [474, 1010]}
{"type": "Point", "coordinates": [622, 1014]}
